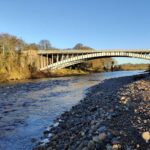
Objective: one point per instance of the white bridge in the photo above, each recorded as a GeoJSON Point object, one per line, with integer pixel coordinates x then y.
{"type": "Point", "coordinates": [57, 59]}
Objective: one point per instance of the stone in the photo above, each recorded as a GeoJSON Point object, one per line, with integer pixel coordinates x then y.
{"type": "Point", "coordinates": [109, 136]}
{"type": "Point", "coordinates": [82, 133]}
{"type": "Point", "coordinates": [91, 145]}
{"type": "Point", "coordinates": [95, 139]}
{"type": "Point", "coordinates": [115, 132]}
{"type": "Point", "coordinates": [124, 101]}
{"type": "Point", "coordinates": [44, 141]}
{"type": "Point", "coordinates": [123, 98]}
{"type": "Point", "coordinates": [115, 141]}
{"type": "Point", "coordinates": [49, 135]}
{"type": "Point", "coordinates": [99, 146]}
{"type": "Point", "coordinates": [116, 146]}
{"type": "Point", "coordinates": [101, 129]}
{"type": "Point", "coordinates": [109, 117]}
{"type": "Point", "coordinates": [102, 136]}
{"type": "Point", "coordinates": [137, 145]}
{"type": "Point", "coordinates": [56, 124]}
{"type": "Point", "coordinates": [129, 148]}
{"type": "Point", "coordinates": [146, 136]}
{"type": "Point", "coordinates": [108, 147]}
{"type": "Point", "coordinates": [85, 148]}
{"type": "Point", "coordinates": [81, 145]}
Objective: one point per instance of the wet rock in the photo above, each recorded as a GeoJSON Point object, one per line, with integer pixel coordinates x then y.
{"type": "Point", "coordinates": [44, 141]}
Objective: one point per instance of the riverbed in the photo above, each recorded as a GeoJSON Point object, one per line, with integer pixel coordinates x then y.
{"type": "Point", "coordinates": [28, 108]}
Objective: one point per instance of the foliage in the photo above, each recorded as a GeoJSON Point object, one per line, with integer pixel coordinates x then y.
{"type": "Point", "coordinates": [9, 43]}
{"type": "Point", "coordinates": [14, 63]}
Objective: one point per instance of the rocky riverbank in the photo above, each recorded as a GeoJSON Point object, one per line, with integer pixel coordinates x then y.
{"type": "Point", "coordinates": [114, 115]}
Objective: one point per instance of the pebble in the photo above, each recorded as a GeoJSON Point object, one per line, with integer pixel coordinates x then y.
{"type": "Point", "coordinates": [101, 129]}
{"type": "Point", "coordinates": [96, 139]}
{"type": "Point", "coordinates": [116, 146]}
{"type": "Point", "coordinates": [102, 136]}
{"type": "Point", "coordinates": [108, 147]}
{"type": "Point", "coordinates": [146, 136]}
{"type": "Point", "coordinates": [91, 145]}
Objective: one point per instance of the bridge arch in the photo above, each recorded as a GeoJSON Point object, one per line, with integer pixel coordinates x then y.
{"type": "Point", "coordinates": [84, 57]}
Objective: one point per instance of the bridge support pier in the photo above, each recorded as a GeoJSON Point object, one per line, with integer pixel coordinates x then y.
{"type": "Point", "coordinates": [47, 60]}
{"type": "Point", "coordinates": [57, 58]}
{"type": "Point", "coordinates": [41, 61]}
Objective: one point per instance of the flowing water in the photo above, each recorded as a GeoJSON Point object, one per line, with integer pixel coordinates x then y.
{"type": "Point", "coordinates": [27, 108]}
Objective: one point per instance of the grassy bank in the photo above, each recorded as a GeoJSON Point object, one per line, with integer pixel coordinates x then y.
{"type": "Point", "coordinates": [14, 75]}
{"type": "Point", "coordinates": [17, 73]}
{"type": "Point", "coordinates": [23, 74]}
{"type": "Point", "coordinates": [57, 73]}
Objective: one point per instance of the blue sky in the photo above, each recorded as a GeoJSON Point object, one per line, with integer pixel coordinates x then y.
{"type": "Point", "coordinates": [101, 24]}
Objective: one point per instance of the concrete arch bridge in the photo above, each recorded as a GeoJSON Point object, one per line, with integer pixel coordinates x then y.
{"type": "Point", "coordinates": [57, 59]}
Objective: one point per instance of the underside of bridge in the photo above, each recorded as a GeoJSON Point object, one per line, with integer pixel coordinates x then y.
{"type": "Point", "coordinates": [56, 59]}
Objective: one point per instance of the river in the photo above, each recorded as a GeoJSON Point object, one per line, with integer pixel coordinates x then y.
{"type": "Point", "coordinates": [28, 108]}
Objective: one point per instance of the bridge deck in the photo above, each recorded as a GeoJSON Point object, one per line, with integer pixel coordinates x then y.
{"type": "Point", "coordinates": [88, 51]}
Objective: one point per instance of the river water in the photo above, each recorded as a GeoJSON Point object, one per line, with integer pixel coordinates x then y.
{"type": "Point", "coordinates": [28, 108]}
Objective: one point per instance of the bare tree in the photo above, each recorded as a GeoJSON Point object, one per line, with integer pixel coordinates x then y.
{"type": "Point", "coordinates": [45, 45]}
{"type": "Point", "coordinates": [10, 43]}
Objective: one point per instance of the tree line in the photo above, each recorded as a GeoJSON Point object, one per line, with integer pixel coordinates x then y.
{"type": "Point", "coordinates": [13, 60]}
{"type": "Point", "coordinates": [10, 43]}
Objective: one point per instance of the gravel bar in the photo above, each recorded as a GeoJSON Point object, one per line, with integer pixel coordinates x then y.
{"type": "Point", "coordinates": [114, 115]}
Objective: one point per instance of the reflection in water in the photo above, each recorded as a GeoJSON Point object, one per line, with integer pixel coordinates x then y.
{"type": "Point", "coordinates": [27, 108]}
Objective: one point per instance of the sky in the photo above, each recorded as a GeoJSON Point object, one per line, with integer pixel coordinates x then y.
{"type": "Point", "coordinates": [100, 24]}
